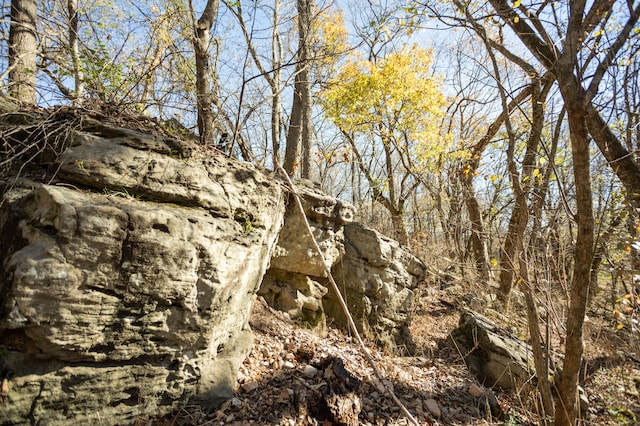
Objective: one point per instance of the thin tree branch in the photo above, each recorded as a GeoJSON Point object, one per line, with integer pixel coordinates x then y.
{"type": "Point", "coordinates": [343, 304]}
{"type": "Point", "coordinates": [612, 52]}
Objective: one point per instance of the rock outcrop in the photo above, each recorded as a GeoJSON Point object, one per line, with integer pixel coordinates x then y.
{"type": "Point", "coordinates": [500, 359]}
{"type": "Point", "coordinates": [496, 357]}
{"type": "Point", "coordinates": [376, 274]}
{"type": "Point", "coordinates": [130, 261]}
{"type": "Point", "coordinates": [377, 278]}
{"type": "Point", "coordinates": [126, 287]}
{"type": "Point", "coordinates": [296, 281]}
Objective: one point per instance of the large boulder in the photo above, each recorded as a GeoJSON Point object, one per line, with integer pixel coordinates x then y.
{"type": "Point", "coordinates": [377, 277]}
{"type": "Point", "coordinates": [127, 284]}
{"type": "Point", "coordinates": [499, 359]}
{"type": "Point", "coordinates": [296, 281]}
{"type": "Point", "coordinates": [494, 355]}
{"type": "Point", "coordinates": [376, 274]}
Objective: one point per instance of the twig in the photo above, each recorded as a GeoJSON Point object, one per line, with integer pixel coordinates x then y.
{"type": "Point", "coordinates": [343, 304]}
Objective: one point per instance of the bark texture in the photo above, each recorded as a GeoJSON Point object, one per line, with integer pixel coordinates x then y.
{"type": "Point", "coordinates": [22, 51]}
{"type": "Point", "coordinates": [204, 73]}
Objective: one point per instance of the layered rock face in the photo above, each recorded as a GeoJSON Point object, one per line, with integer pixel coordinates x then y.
{"type": "Point", "coordinates": [494, 355]}
{"type": "Point", "coordinates": [126, 290]}
{"type": "Point", "coordinates": [129, 264]}
{"type": "Point", "coordinates": [377, 276]}
{"type": "Point", "coordinates": [296, 281]}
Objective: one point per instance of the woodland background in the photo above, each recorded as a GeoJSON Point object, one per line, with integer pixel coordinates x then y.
{"type": "Point", "coordinates": [497, 139]}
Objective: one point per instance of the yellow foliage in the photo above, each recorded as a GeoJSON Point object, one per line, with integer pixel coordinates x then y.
{"type": "Point", "coordinates": [329, 37]}
{"type": "Point", "coordinates": [396, 99]}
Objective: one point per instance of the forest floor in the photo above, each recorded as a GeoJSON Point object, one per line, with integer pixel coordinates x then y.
{"type": "Point", "coordinates": [289, 369]}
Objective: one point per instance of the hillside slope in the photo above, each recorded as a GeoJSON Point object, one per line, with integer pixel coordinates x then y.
{"type": "Point", "coordinates": [278, 386]}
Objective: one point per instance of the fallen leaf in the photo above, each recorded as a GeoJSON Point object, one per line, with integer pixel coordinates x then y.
{"type": "Point", "coordinates": [431, 405]}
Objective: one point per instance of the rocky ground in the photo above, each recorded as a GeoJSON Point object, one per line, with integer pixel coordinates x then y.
{"type": "Point", "coordinates": [293, 377]}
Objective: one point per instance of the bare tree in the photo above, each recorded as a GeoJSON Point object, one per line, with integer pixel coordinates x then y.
{"type": "Point", "coordinates": [307, 170]}
{"type": "Point", "coordinates": [276, 89]}
{"type": "Point", "coordinates": [564, 42]}
{"type": "Point", "coordinates": [22, 50]}
{"type": "Point", "coordinates": [271, 75]}
{"type": "Point", "coordinates": [300, 131]}
{"type": "Point", "coordinates": [566, 59]}
{"type": "Point", "coordinates": [72, 8]}
{"type": "Point", "coordinates": [468, 172]}
{"type": "Point", "coordinates": [204, 75]}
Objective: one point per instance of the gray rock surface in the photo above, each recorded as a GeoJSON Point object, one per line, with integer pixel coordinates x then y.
{"type": "Point", "coordinates": [376, 273]}
{"type": "Point", "coordinates": [377, 277]}
{"type": "Point", "coordinates": [327, 217]}
{"type": "Point", "coordinates": [299, 295]}
{"type": "Point", "coordinates": [296, 281]}
{"type": "Point", "coordinates": [130, 296]}
{"type": "Point", "coordinates": [494, 355]}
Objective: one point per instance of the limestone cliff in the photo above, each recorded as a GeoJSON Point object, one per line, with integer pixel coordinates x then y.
{"type": "Point", "coordinates": [376, 274]}
{"type": "Point", "coordinates": [126, 284]}
{"type": "Point", "coordinates": [130, 260]}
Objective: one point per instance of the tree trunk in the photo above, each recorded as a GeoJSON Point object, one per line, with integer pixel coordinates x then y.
{"type": "Point", "coordinates": [304, 24]}
{"type": "Point", "coordinates": [307, 170]}
{"type": "Point", "coordinates": [204, 76]}
{"type": "Point", "coordinates": [509, 253]}
{"type": "Point", "coordinates": [292, 148]}
{"type": "Point", "coordinates": [566, 410]}
{"type": "Point", "coordinates": [399, 228]}
{"type": "Point", "coordinates": [22, 51]}
{"type": "Point", "coordinates": [276, 127]}
{"type": "Point", "coordinates": [276, 113]}
{"type": "Point", "coordinates": [72, 7]}
{"type": "Point", "coordinates": [300, 122]}
{"type": "Point", "coordinates": [478, 235]}
{"type": "Point", "coordinates": [520, 215]}
{"type": "Point", "coordinates": [540, 357]}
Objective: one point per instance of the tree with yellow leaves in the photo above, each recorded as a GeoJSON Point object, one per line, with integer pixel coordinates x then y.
{"type": "Point", "coordinates": [389, 112]}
